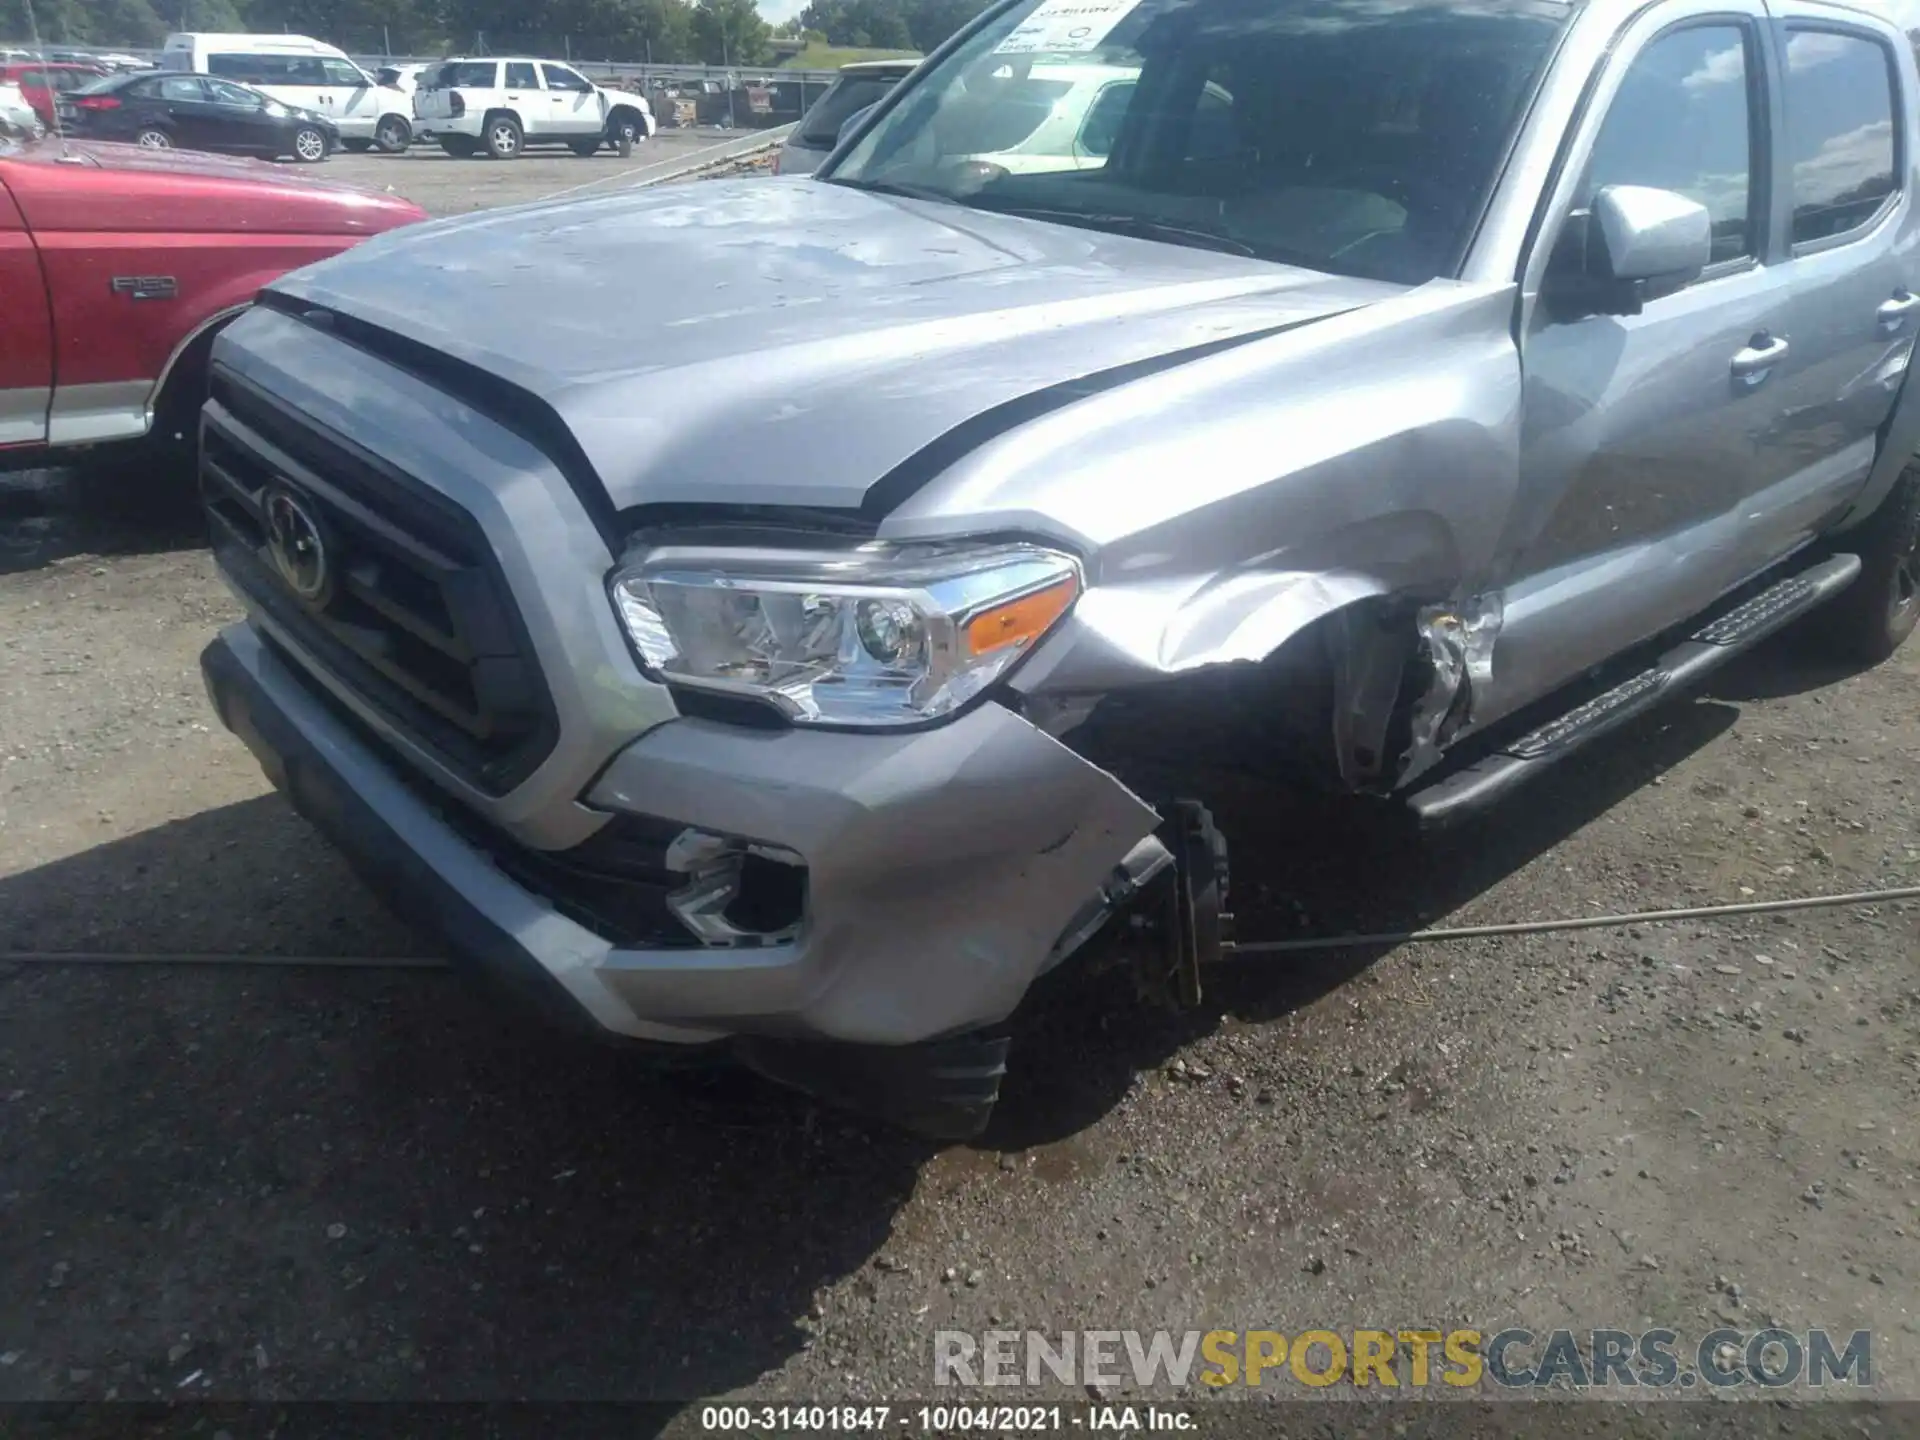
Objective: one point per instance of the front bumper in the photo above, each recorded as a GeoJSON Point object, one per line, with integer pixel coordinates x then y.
{"type": "Point", "coordinates": [945, 868]}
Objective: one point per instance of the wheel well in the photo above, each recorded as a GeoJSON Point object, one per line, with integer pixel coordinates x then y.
{"type": "Point", "coordinates": [1271, 719]}
{"type": "Point", "coordinates": [395, 115]}
{"type": "Point", "coordinates": [1330, 709]}
{"type": "Point", "coordinates": [184, 389]}
{"type": "Point", "coordinates": [619, 110]}
{"type": "Point", "coordinates": [500, 110]}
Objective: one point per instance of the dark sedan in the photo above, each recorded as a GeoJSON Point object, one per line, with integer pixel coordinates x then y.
{"type": "Point", "coordinates": [196, 112]}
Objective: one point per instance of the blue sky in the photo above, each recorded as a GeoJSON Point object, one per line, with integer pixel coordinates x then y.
{"type": "Point", "coordinates": [779, 10]}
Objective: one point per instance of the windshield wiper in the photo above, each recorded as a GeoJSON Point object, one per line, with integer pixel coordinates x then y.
{"type": "Point", "coordinates": [894, 187]}
{"type": "Point", "coordinates": [1137, 226]}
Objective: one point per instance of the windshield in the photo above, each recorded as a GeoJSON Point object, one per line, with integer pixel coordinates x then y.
{"type": "Point", "coordinates": [1355, 136]}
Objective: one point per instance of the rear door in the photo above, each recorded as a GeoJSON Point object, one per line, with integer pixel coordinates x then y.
{"type": "Point", "coordinates": [520, 86]}
{"type": "Point", "coordinates": [26, 340]}
{"type": "Point", "coordinates": [573, 105]}
{"type": "Point", "coordinates": [434, 100]}
{"type": "Point", "coordinates": [1851, 226]}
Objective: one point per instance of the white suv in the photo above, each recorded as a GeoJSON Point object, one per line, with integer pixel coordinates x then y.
{"type": "Point", "coordinates": [502, 106]}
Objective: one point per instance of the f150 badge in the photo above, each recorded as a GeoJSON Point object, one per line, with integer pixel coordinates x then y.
{"type": "Point", "coordinates": [146, 287]}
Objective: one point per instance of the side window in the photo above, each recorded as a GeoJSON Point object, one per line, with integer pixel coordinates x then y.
{"type": "Point", "coordinates": [1840, 149]}
{"type": "Point", "coordinates": [1102, 125]}
{"type": "Point", "coordinates": [182, 90]}
{"type": "Point", "coordinates": [1214, 132]}
{"type": "Point", "coordinates": [520, 75]}
{"type": "Point", "coordinates": [1682, 121]}
{"type": "Point", "coordinates": [561, 78]}
{"type": "Point", "coordinates": [234, 95]}
{"type": "Point", "coordinates": [342, 72]}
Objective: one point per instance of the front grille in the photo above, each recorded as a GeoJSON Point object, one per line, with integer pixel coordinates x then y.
{"type": "Point", "coordinates": [418, 623]}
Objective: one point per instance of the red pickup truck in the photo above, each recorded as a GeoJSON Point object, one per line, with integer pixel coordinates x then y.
{"type": "Point", "coordinates": [118, 264]}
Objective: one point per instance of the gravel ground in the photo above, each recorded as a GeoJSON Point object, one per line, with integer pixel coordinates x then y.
{"type": "Point", "coordinates": [299, 1183]}
{"type": "Point", "coordinates": [444, 186]}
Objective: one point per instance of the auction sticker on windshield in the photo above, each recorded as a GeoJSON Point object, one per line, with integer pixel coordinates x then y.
{"type": "Point", "coordinates": [1065, 25]}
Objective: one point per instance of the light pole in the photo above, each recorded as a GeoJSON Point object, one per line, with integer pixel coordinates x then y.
{"type": "Point", "coordinates": [726, 60]}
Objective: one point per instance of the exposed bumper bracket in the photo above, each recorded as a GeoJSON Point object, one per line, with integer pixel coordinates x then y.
{"type": "Point", "coordinates": [1186, 912]}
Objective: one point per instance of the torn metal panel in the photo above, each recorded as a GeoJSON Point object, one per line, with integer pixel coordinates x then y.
{"type": "Point", "coordinates": [1370, 652]}
{"type": "Point", "coordinates": [1459, 639]}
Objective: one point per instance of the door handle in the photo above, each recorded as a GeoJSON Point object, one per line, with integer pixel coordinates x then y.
{"type": "Point", "coordinates": [1893, 313]}
{"type": "Point", "coordinates": [1756, 362]}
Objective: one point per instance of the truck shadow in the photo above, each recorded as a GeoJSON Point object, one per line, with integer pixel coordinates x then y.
{"type": "Point", "coordinates": [110, 506]}
{"type": "Point", "coordinates": [391, 1190]}
{"type": "Point", "coordinates": [1306, 867]}
{"type": "Point", "coordinates": [373, 1183]}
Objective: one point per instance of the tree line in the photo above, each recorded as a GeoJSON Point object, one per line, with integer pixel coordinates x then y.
{"type": "Point", "coordinates": [705, 32]}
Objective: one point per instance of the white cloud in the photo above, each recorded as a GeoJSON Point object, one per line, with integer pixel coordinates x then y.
{"type": "Point", "coordinates": [778, 12]}
{"type": "Point", "coordinates": [1722, 67]}
{"type": "Point", "coordinates": [1845, 161]}
{"type": "Point", "coordinates": [1814, 47]}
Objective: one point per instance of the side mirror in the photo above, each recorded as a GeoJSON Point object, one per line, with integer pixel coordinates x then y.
{"type": "Point", "coordinates": [1636, 244]}
{"type": "Point", "coordinates": [851, 123]}
{"type": "Point", "coordinates": [1651, 235]}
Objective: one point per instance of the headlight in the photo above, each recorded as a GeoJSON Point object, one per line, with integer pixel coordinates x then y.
{"type": "Point", "coordinates": [873, 636]}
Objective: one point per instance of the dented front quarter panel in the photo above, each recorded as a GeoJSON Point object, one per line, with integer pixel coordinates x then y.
{"type": "Point", "coordinates": [1227, 504]}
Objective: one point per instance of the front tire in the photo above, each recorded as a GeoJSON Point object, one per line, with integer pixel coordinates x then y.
{"type": "Point", "coordinates": [152, 137]}
{"type": "Point", "coordinates": [393, 136]}
{"type": "Point", "coordinates": [504, 137]}
{"type": "Point", "coordinates": [310, 145]}
{"type": "Point", "coordinates": [1872, 617]}
{"type": "Point", "coordinates": [625, 130]}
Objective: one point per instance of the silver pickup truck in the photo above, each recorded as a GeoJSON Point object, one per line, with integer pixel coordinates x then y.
{"type": "Point", "coordinates": [731, 614]}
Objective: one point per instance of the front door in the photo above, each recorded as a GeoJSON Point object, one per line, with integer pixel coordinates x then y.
{"type": "Point", "coordinates": [574, 103]}
{"type": "Point", "coordinates": [239, 121]}
{"type": "Point", "coordinates": [26, 340]}
{"type": "Point", "coordinates": [191, 116]}
{"type": "Point", "coordinates": [1643, 436]}
{"type": "Point", "coordinates": [356, 103]}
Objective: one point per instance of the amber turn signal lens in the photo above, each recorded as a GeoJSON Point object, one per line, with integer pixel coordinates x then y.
{"type": "Point", "coordinates": [1020, 622]}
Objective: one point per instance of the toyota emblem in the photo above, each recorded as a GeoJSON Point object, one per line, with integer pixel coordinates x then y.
{"type": "Point", "coordinates": [298, 546]}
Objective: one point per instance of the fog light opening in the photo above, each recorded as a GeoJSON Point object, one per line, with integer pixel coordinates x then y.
{"type": "Point", "coordinates": [738, 892]}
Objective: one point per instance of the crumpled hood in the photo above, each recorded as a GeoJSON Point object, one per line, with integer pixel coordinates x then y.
{"type": "Point", "coordinates": [789, 342]}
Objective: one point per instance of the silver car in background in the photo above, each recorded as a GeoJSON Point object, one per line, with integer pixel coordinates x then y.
{"type": "Point", "coordinates": [1412, 392]}
{"type": "Point", "coordinates": [858, 86]}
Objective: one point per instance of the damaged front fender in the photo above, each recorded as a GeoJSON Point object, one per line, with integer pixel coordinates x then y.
{"type": "Point", "coordinates": [1361, 466]}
